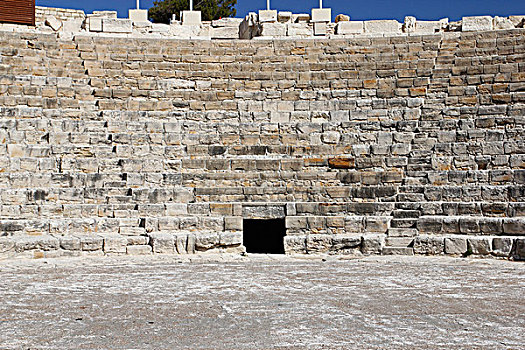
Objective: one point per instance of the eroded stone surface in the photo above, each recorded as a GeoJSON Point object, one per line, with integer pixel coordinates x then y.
{"type": "Point", "coordinates": [261, 302]}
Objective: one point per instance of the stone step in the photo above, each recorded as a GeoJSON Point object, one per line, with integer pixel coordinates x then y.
{"type": "Point", "coordinates": [397, 251]}
{"type": "Point", "coordinates": [471, 225]}
{"type": "Point", "coordinates": [403, 223]}
{"type": "Point", "coordinates": [399, 241]}
{"type": "Point", "coordinates": [406, 214]}
{"type": "Point", "coordinates": [402, 232]}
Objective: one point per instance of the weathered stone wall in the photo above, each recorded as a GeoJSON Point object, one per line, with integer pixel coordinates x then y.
{"type": "Point", "coordinates": [42, 13]}
{"type": "Point", "coordinates": [408, 144]}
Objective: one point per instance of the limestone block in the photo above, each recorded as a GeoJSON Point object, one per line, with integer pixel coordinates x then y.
{"type": "Point", "coordinates": [316, 224]}
{"type": "Point", "coordinates": [409, 26]}
{"type": "Point", "coordinates": [267, 16]}
{"type": "Point", "coordinates": [271, 29]}
{"type": "Point", "coordinates": [335, 222]}
{"type": "Point", "coordinates": [341, 18]}
{"type": "Point", "coordinates": [503, 23]}
{"type": "Point", "coordinates": [212, 223]}
{"type": "Point", "coordinates": [189, 31]}
{"type": "Point", "coordinates": [162, 243]}
{"type": "Point", "coordinates": [227, 22]}
{"type": "Point", "coordinates": [430, 224]}
{"type": "Point", "coordinates": [296, 244]}
{"type": "Point", "coordinates": [502, 246]}
{"type": "Point", "coordinates": [160, 28]}
{"type": "Point", "coordinates": [191, 18]}
{"type": "Point", "coordinates": [300, 18]}
{"type": "Point", "coordinates": [491, 226]}
{"type": "Point", "coordinates": [224, 33]}
{"type": "Point", "coordinates": [372, 244]}
{"type": "Point", "coordinates": [137, 240]}
{"type": "Point", "coordinates": [174, 209]}
{"type": "Point", "coordinates": [143, 25]}
{"type": "Point", "coordinates": [181, 243]}
{"type": "Point", "coordinates": [136, 15]}
{"type": "Point", "coordinates": [189, 223]}
{"type": "Point", "coordinates": [132, 231]}
{"type": "Point", "coordinates": [233, 223]}
{"type": "Point", "coordinates": [94, 24]}
{"type": "Point", "coordinates": [36, 242]}
{"type": "Point", "coordinates": [469, 225]}
{"type": "Point", "coordinates": [354, 224]}
{"type": "Point", "coordinates": [70, 243]}
{"type": "Point", "coordinates": [296, 222]}
{"type": "Point", "coordinates": [72, 25]}
{"type": "Point", "coordinates": [169, 223]}
{"type": "Point", "coordinates": [477, 23]}
{"type": "Point", "coordinates": [139, 250]}
{"type": "Point", "coordinates": [430, 27]}
{"type": "Point", "coordinates": [322, 15]}
{"type": "Point", "coordinates": [284, 17]}
{"type": "Point", "coordinates": [91, 243]}
{"type": "Point", "coordinates": [115, 244]}
{"type": "Point", "coordinates": [291, 209]}
{"type": "Point", "coordinates": [248, 28]}
{"type": "Point", "coordinates": [399, 241]}
{"type": "Point", "coordinates": [429, 245]}
{"type": "Point", "coordinates": [318, 243]}
{"type": "Point", "coordinates": [6, 245]}
{"type": "Point", "coordinates": [177, 84]}
{"type": "Point", "coordinates": [54, 23]}
{"type": "Point", "coordinates": [116, 25]}
{"type": "Point", "coordinates": [340, 243]}
{"type": "Point", "coordinates": [514, 226]}
{"type": "Point", "coordinates": [376, 224]}
{"type": "Point", "coordinates": [228, 239]}
{"type": "Point", "coordinates": [397, 251]}
{"type": "Point", "coordinates": [190, 245]}
{"type": "Point", "coordinates": [479, 245]}
{"type": "Point", "coordinates": [15, 150]}
{"type": "Point", "coordinates": [350, 27]}
{"type": "Point", "coordinates": [518, 252]}
{"type": "Point", "coordinates": [518, 21]}
{"type": "Point", "coordinates": [382, 27]}
{"type": "Point", "coordinates": [205, 242]}
{"type": "Point", "coordinates": [331, 137]}
{"type": "Point", "coordinates": [104, 14]}
{"type": "Point", "coordinates": [455, 245]}
{"type": "Point", "coordinates": [320, 28]}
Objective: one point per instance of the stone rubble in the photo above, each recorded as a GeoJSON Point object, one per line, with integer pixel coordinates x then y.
{"type": "Point", "coordinates": [265, 24]}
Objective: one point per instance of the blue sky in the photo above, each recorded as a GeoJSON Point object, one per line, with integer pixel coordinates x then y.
{"type": "Point", "coordinates": [358, 10]}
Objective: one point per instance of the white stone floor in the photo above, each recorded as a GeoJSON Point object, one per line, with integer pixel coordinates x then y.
{"type": "Point", "coordinates": [261, 302]}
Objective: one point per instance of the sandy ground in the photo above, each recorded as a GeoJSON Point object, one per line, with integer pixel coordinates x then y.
{"type": "Point", "coordinates": [261, 302]}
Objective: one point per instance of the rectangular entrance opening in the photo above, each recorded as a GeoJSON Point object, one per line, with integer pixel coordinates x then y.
{"type": "Point", "coordinates": [264, 236]}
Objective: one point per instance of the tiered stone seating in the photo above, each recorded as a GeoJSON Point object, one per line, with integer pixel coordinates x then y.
{"type": "Point", "coordinates": [401, 145]}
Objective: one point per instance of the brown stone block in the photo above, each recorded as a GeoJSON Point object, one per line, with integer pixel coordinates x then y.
{"type": "Point", "coordinates": [370, 84]}
{"type": "Point", "coordinates": [501, 98]}
{"type": "Point", "coordinates": [468, 100]}
{"type": "Point", "coordinates": [298, 51]}
{"type": "Point", "coordinates": [222, 209]}
{"type": "Point", "coordinates": [341, 163]}
{"type": "Point", "coordinates": [500, 87]}
{"type": "Point", "coordinates": [418, 91]}
{"type": "Point", "coordinates": [225, 95]}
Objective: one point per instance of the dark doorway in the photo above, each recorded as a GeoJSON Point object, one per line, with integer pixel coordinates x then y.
{"type": "Point", "coordinates": [264, 236]}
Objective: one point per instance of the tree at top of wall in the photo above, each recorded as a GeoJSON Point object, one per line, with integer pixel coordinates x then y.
{"type": "Point", "coordinates": [162, 11]}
